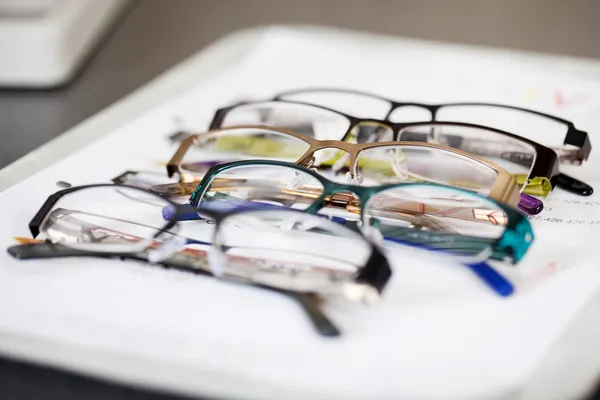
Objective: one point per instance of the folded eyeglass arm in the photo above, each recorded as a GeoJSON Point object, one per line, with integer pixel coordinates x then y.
{"type": "Point", "coordinates": [47, 250]}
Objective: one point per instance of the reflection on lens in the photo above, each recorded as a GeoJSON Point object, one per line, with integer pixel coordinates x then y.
{"type": "Point", "coordinates": [401, 163]}
{"type": "Point", "coordinates": [240, 143]}
{"type": "Point", "coordinates": [106, 219]}
{"type": "Point", "coordinates": [290, 250]}
{"type": "Point", "coordinates": [255, 186]}
{"type": "Point", "coordinates": [402, 213]}
{"type": "Point", "coordinates": [531, 126]}
{"type": "Point", "coordinates": [306, 119]}
{"type": "Point", "coordinates": [514, 155]}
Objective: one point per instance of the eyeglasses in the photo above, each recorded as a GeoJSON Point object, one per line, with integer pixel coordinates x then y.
{"type": "Point", "coordinates": [283, 250]}
{"type": "Point", "coordinates": [437, 216]}
{"type": "Point", "coordinates": [572, 145]}
{"type": "Point", "coordinates": [365, 164]}
{"type": "Point", "coordinates": [535, 166]}
{"type": "Point", "coordinates": [494, 280]}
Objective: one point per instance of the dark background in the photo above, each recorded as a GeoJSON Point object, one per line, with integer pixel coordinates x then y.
{"type": "Point", "coordinates": [153, 35]}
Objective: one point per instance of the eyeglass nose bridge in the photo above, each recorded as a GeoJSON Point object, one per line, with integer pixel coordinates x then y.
{"type": "Point", "coordinates": [340, 200]}
{"type": "Point", "coordinates": [347, 201]}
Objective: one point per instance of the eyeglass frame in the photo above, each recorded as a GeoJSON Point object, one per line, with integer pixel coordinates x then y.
{"type": "Point", "coordinates": [49, 250]}
{"type": "Point", "coordinates": [573, 137]}
{"type": "Point", "coordinates": [375, 272]}
{"type": "Point", "coordinates": [504, 189]}
{"type": "Point", "coordinates": [511, 246]}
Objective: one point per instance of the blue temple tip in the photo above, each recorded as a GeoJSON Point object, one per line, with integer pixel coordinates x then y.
{"type": "Point", "coordinates": [493, 279]}
{"type": "Point", "coordinates": [187, 212]}
{"type": "Point", "coordinates": [168, 212]}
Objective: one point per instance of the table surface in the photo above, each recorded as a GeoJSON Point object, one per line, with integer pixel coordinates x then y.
{"type": "Point", "coordinates": [154, 35]}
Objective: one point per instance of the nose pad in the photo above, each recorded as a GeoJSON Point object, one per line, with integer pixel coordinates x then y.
{"type": "Point", "coordinates": [349, 178]}
{"type": "Point", "coordinates": [355, 179]}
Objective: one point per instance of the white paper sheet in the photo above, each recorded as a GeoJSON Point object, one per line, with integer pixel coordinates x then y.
{"type": "Point", "coordinates": [439, 332]}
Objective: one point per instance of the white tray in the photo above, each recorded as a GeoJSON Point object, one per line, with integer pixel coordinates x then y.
{"type": "Point", "coordinates": [569, 370]}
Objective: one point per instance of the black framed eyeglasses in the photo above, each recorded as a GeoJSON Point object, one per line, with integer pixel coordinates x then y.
{"type": "Point", "coordinates": [301, 255]}
{"type": "Point", "coordinates": [535, 166]}
{"type": "Point", "coordinates": [572, 145]}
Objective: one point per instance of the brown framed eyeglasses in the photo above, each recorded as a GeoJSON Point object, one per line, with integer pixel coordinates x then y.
{"type": "Point", "coordinates": [366, 164]}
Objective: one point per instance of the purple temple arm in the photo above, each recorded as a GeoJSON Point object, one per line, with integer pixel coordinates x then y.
{"type": "Point", "coordinates": [530, 205]}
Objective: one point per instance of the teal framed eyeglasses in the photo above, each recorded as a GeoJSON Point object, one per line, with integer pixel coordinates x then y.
{"type": "Point", "coordinates": [423, 214]}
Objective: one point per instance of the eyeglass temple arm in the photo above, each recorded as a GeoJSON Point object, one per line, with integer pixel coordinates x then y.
{"type": "Point", "coordinates": [47, 250]}
{"type": "Point", "coordinates": [173, 164]}
{"type": "Point", "coordinates": [181, 189]}
{"type": "Point", "coordinates": [170, 190]}
{"type": "Point", "coordinates": [438, 241]}
{"type": "Point", "coordinates": [444, 241]}
{"type": "Point", "coordinates": [411, 211]}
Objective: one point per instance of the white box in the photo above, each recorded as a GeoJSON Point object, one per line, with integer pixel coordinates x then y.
{"type": "Point", "coordinates": [43, 43]}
